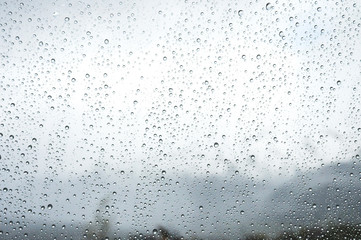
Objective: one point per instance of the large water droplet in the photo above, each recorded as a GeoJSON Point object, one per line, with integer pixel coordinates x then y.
{"type": "Point", "coordinates": [269, 6]}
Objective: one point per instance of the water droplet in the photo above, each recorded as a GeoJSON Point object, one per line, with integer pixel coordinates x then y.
{"type": "Point", "coordinates": [106, 41]}
{"type": "Point", "coordinates": [240, 13]}
{"type": "Point", "coordinates": [200, 207]}
{"type": "Point", "coordinates": [50, 206]}
{"type": "Point", "coordinates": [269, 6]}
{"type": "Point", "coordinates": [155, 231]}
{"type": "Point", "coordinates": [216, 145]}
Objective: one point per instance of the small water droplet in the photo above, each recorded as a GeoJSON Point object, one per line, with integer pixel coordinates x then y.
{"type": "Point", "coordinates": [50, 206]}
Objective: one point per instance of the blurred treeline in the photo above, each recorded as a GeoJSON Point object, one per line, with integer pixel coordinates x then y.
{"type": "Point", "coordinates": [332, 232]}
{"type": "Point", "coordinates": [100, 230]}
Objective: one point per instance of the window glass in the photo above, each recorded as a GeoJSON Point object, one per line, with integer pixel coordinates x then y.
{"type": "Point", "coordinates": [180, 119]}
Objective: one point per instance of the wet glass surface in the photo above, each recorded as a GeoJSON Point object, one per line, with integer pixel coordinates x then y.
{"type": "Point", "coordinates": [180, 119]}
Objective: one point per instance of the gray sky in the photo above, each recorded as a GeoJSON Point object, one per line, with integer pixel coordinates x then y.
{"type": "Point", "coordinates": [191, 73]}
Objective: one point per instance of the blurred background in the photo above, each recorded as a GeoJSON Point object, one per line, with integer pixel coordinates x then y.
{"type": "Point", "coordinates": [180, 119]}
